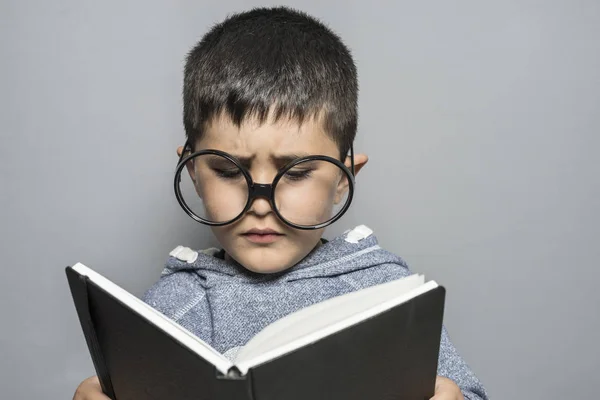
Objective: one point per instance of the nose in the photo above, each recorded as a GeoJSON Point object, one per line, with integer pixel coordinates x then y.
{"type": "Point", "coordinates": [260, 206]}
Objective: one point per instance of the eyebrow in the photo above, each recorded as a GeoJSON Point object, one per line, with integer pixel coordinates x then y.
{"type": "Point", "coordinates": [280, 159]}
{"type": "Point", "coordinates": [283, 159]}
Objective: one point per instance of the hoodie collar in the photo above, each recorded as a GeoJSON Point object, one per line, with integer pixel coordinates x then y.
{"type": "Point", "coordinates": [353, 250]}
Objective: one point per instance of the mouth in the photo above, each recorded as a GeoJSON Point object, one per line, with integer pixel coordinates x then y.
{"type": "Point", "coordinates": [262, 236]}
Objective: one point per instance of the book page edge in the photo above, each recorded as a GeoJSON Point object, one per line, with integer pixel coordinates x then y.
{"type": "Point", "coordinates": [172, 328]}
{"type": "Point", "coordinates": [415, 280]}
{"type": "Point", "coordinates": [245, 365]}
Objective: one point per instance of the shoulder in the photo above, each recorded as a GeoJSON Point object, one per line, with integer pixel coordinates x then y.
{"type": "Point", "coordinates": [381, 266]}
{"type": "Point", "coordinates": [178, 283]}
{"type": "Point", "coordinates": [377, 274]}
{"type": "Point", "coordinates": [375, 256]}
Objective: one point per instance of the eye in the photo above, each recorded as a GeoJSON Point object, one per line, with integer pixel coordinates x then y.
{"type": "Point", "coordinates": [297, 174]}
{"type": "Point", "coordinates": [227, 173]}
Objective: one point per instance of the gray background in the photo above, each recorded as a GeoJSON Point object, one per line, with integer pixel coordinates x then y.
{"type": "Point", "coordinates": [481, 120]}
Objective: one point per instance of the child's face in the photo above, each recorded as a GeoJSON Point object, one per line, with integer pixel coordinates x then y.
{"type": "Point", "coordinates": [263, 144]}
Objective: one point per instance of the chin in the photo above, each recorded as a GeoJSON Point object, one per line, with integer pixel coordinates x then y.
{"type": "Point", "coordinates": [266, 261]}
{"type": "Point", "coordinates": [262, 269]}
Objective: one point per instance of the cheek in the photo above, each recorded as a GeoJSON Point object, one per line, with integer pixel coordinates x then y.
{"type": "Point", "coordinates": [319, 203]}
{"type": "Point", "coordinates": [224, 235]}
{"type": "Point", "coordinates": [221, 201]}
{"type": "Point", "coordinates": [302, 242]}
{"type": "Point", "coordinates": [309, 239]}
{"type": "Point", "coordinates": [310, 202]}
{"type": "Point", "coordinates": [341, 191]}
{"type": "Point", "coordinates": [219, 207]}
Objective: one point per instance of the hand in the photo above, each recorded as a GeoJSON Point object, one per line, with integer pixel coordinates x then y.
{"type": "Point", "coordinates": [90, 390]}
{"type": "Point", "coordinates": [446, 389]}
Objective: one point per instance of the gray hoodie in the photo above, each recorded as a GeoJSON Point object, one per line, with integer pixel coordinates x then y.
{"type": "Point", "coordinates": [226, 305]}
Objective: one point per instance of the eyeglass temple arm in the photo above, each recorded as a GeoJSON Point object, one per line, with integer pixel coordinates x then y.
{"type": "Point", "coordinates": [185, 147]}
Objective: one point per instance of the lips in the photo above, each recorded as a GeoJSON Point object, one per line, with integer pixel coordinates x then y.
{"type": "Point", "coordinates": [262, 236]}
{"type": "Point", "coordinates": [267, 231]}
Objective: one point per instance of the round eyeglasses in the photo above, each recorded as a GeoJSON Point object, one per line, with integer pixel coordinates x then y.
{"type": "Point", "coordinates": [309, 192]}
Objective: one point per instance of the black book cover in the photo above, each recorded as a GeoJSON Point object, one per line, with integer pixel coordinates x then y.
{"type": "Point", "coordinates": [392, 355]}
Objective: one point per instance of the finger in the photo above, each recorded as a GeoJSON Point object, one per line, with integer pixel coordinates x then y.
{"type": "Point", "coordinates": [444, 396]}
{"type": "Point", "coordinates": [442, 383]}
{"type": "Point", "coordinates": [446, 389]}
{"type": "Point", "coordinates": [90, 389]}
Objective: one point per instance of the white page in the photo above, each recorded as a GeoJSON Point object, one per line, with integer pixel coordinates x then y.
{"type": "Point", "coordinates": [169, 326]}
{"type": "Point", "coordinates": [293, 325]}
{"type": "Point", "coordinates": [322, 319]}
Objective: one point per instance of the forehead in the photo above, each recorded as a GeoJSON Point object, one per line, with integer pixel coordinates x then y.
{"type": "Point", "coordinates": [253, 138]}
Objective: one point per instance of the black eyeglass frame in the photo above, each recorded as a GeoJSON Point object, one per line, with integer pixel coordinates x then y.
{"type": "Point", "coordinates": [267, 191]}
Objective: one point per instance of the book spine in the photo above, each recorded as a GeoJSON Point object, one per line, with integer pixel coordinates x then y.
{"type": "Point", "coordinates": [234, 385]}
{"type": "Point", "coordinates": [79, 291]}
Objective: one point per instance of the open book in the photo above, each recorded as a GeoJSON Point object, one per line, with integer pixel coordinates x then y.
{"type": "Point", "coordinates": [379, 342]}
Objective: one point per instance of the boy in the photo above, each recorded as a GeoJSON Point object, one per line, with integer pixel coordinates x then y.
{"type": "Point", "coordinates": [270, 113]}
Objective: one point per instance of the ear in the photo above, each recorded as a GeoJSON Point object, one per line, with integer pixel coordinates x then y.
{"type": "Point", "coordinates": [360, 160]}
{"type": "Point", "coordinates": [189, 164]}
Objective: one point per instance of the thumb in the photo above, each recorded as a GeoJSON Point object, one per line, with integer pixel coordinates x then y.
{"type": "Point", "coordinates": [446, 389]}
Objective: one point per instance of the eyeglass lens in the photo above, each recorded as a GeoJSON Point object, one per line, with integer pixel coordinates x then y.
{"type": "Point", "coordinates": [307, 194]}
